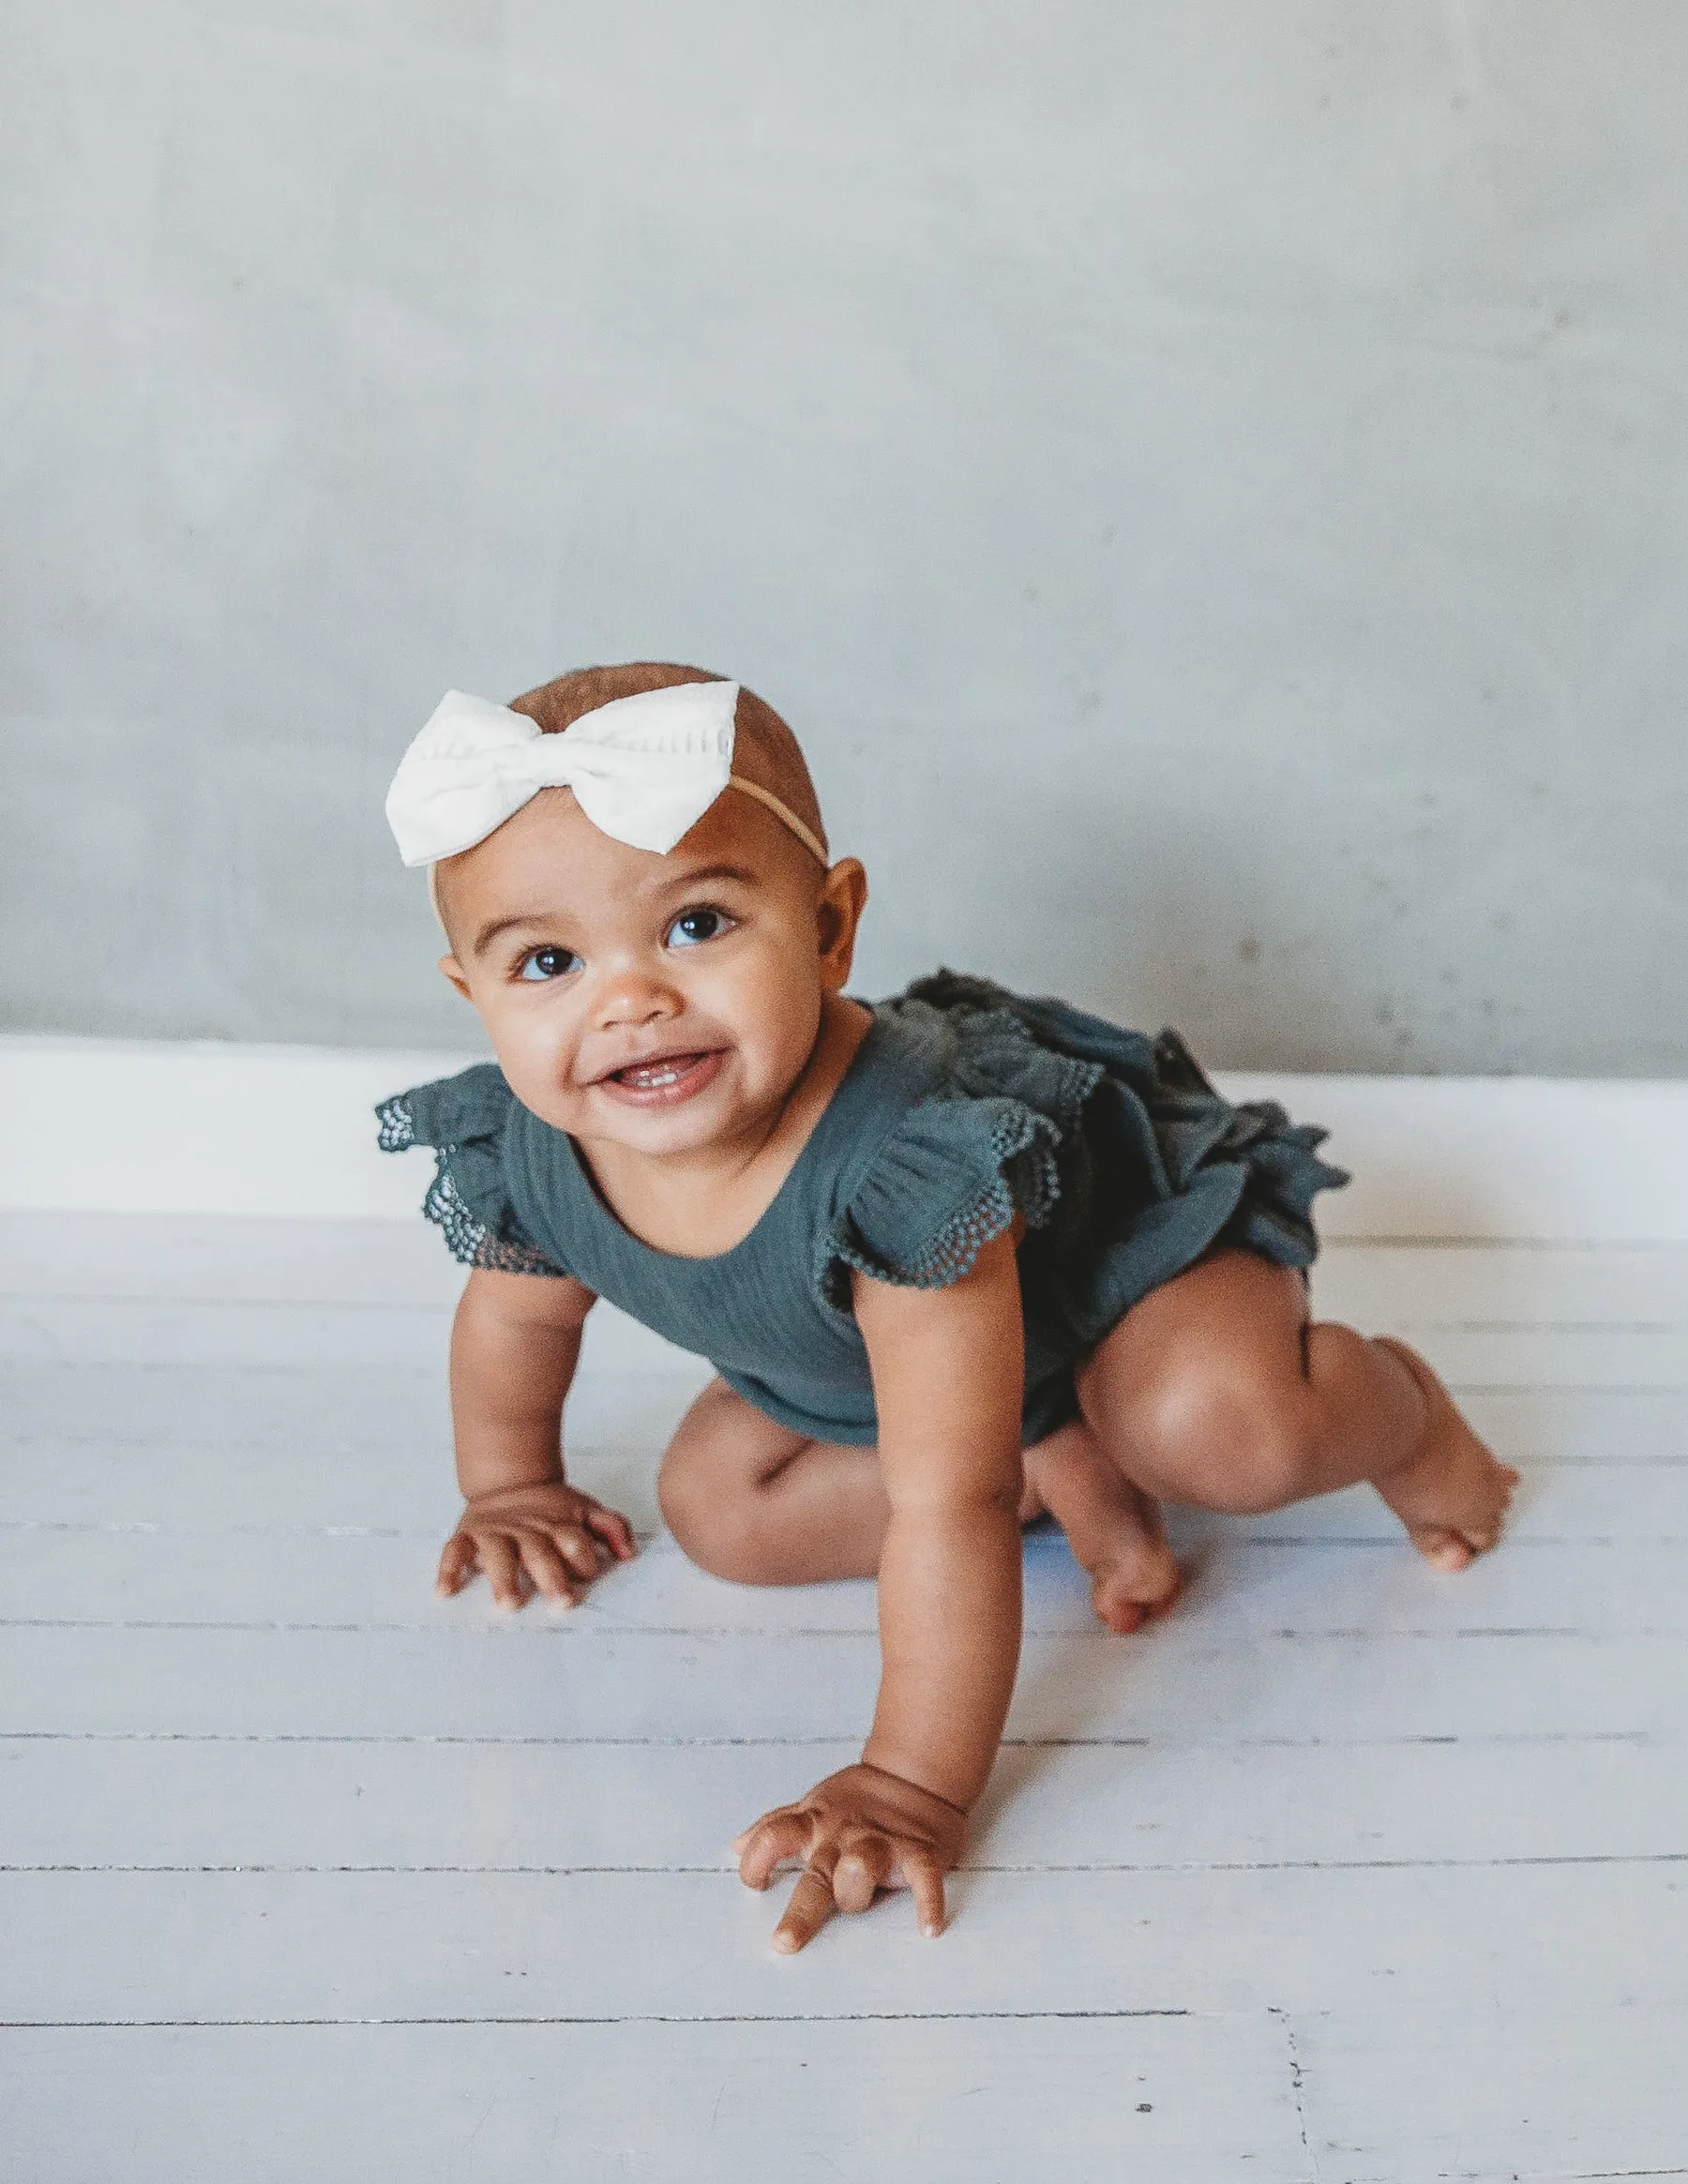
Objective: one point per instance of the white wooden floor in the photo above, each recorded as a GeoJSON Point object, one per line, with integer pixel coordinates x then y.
{"type": "Point", "coordinates": [1350, 1872]}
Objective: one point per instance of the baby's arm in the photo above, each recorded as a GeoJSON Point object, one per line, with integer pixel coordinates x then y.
{"type": "Point", "coordinates": [514, 1343]}
{"type": "Point", "coordinates": [948, 1380]}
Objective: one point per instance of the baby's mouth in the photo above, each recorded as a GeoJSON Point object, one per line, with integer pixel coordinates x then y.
{"type": "Point", "coordinates": [649, 1076]}
{"type": "Point", "coordinates": [662, 1078]}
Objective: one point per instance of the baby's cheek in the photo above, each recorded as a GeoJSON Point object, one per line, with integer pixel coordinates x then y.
{"type": "Point", "coordinates": [535, 1060]}
{"type": "Point", "coordinates": [777, 1031]}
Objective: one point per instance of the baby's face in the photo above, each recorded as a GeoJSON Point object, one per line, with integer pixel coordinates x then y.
{"type": "Point", "coordinates": [660, 1003]}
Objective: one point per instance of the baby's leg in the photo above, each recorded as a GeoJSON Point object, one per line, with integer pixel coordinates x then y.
{"type": "Point", "coordinates": [749, 1499]}
{"type": "Point", "coordinates": [1113, 1528]}
{"type": "Point", "coordinates": [1216, 1391]}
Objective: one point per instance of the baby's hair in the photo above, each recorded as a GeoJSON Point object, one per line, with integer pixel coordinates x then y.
{"type": "Point", "coordinates": [764, 748]}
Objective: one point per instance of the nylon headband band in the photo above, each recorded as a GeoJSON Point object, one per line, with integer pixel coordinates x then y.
{"type": "Point", "coordinates": [783, 812]}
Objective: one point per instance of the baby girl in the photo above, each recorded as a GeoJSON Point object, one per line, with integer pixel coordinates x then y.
{"type": "Point", "coordinates": [959, 1258]}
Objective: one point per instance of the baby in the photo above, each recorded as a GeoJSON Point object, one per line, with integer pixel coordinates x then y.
{"type": "Point", "coordinates": [959, 1258]}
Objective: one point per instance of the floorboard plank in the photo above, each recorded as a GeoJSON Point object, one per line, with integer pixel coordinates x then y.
{"type": "Point", "coordinates": [318, 1484]}
{"type": "Point", "coordinates": [1548, 2090]}
{"type": "Point", "coordinates": [357, 1410]}
{"type": "Point", "coordinates": [236, 1947]}
{"type": "Point", "coordinates": [1176, 1684]}
{"type": "Point", "coordinates": [100, 1803]}
{"type": "Point", "coordinates": [349, 1410]}
{"type": "Point", "coordinates": [973, 2102]}
{"type": "Point", "coordinates": [1376, 1286]}
{"type": "Point", "coordinates": [1580, 1425]}
{"type": "Point", "coordinates": [1238, 1587]}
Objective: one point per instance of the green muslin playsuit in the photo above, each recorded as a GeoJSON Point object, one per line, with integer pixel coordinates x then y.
{"type": "Point", "coordinates": [963, 1106]}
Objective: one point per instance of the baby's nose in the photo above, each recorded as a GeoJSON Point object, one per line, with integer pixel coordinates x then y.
{"type": "Point", "coordinates": [634, 998]}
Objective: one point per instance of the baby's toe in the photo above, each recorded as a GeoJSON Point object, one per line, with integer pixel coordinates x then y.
{"type": "Point", "coordinates": [1120, 1615]}
{"type": "Point", "coordinates": [1125, 1603]}
{"type": "Point", "coordinates": [1447, 1550]}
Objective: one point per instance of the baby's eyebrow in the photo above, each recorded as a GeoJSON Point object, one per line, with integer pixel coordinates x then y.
{"type": "Point", "coordinates": [489, 933]}
{"type": "Point", "coordinates": [684, 880]}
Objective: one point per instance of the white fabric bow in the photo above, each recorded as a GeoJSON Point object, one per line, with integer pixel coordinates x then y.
{"type": "Point", "coordinates": [643, 769]}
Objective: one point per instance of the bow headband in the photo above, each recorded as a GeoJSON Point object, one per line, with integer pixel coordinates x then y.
{"type": "Point", "coordinates": [643, 769]}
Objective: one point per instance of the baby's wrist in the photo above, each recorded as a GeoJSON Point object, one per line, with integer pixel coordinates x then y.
{"type": "Point", "coordinates": [475, 1489]}
{"type": "Point", "coordinates": [912, 1782]}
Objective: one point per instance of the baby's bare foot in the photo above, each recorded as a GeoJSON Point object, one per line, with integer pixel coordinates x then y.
{"type": "Point", "coordinates": [1452, 1494]}
{"type": "Point", "coordinates": [1140, 1581]}
{"type": "Point", "coordinates": [1112, 1526]}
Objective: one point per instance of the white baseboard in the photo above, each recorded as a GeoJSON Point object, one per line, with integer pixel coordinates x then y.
{"type": "Point", "coordinates": [139, 1127]}
{"type": "Point", "coordinates": [161, 1126]}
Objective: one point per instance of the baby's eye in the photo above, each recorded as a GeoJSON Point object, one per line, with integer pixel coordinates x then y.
{"type": "Point", "coordinates": [543, 963]}
{"type": "Point", "coordinates": [694, 926]}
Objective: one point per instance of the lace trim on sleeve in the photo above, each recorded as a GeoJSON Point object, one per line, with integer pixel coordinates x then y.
{"type": "Point", "coordinates": [469, 1239]}
{"type": "Point", "coordinates": [396, 1129]}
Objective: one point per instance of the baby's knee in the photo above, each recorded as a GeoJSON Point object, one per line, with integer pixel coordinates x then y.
{"type": "Point", "coordinates": [700, 1521]}
{"type": "Point", "coordinates": [712, 1524]}
{"type": "Point", "coordinates": [1224, 1442]}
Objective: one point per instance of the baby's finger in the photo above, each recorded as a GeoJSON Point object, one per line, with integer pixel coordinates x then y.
{"type": "Point", "coordinates": [612, 1527]}
{"type": "Point", "coordinates": [862, 1871]}
{"type": "Point", "coordinates": [579, 1549]}
{"type": "Point", "coordinates": [778, 1836]}
{"type": "Point", "coordinates": [503, 1565]}
{"type": "Point", "coordinates": [925, 1877]}
{"type": "Point", "coordinates": [810, 1908]}
{"type": "Point", "coordinates": [457, 1565]}
{"type": "Point", "coordinates": [545, 1566]}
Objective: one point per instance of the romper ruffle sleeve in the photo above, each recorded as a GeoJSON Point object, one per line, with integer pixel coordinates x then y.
{"type": "Point", "coordinates": [961, 1164]}
{"type": "Point", "coordinates": [949, 1178]}
{"type": "Point", "coordinates": [464, 1119]}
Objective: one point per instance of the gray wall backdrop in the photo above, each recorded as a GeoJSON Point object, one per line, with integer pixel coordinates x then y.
{"type": "Point", "coordinates": [1208, 481]}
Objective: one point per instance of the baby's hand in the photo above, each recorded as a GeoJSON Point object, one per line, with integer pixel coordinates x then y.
{"type": "Point", "coordinates": [858, 1832]}
{"type": "Point", "coordinates": [551, 1538]}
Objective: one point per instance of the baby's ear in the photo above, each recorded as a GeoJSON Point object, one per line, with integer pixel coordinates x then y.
{"type": "Point", "coordinates": [451, 969]}
{"type": "Point", "coordinates": [837, 914]}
